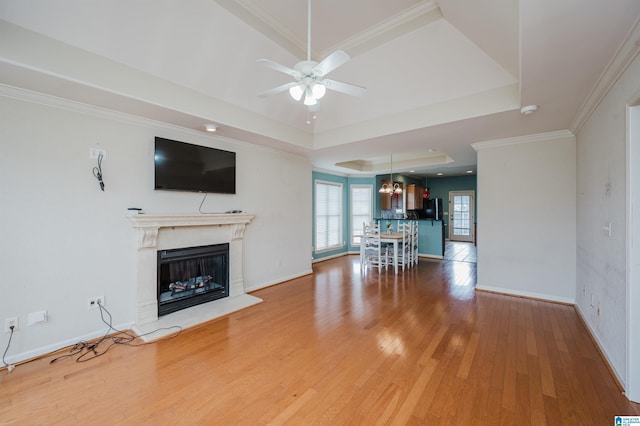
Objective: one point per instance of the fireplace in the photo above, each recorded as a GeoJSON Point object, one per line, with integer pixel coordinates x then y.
{"type": "Point", "coordinates": [158, 233]}
{"type": "Point", "coordinates": [191, 276]}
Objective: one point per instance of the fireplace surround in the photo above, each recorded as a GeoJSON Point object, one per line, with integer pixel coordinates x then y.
{"type": "Point", "coordinates": [168, 232]}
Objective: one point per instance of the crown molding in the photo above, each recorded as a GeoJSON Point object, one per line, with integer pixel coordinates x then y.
{"type": "Point", "coordinates": [403, 23]}
{"type": "Point", "coordinates": [625, 54]}
{"type": "Point", "coordinates": [47, 100]}
{"type": "Point", "coordinates": [395, 26]}
{"type": "Point", "coordinates": [265, 24]}
{"type": "Point", "coordinates": [538, 137]}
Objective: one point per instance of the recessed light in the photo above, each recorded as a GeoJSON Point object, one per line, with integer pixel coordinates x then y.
{"type": "Point", "coordinates": [469, 171]}
{"type": "Point", "coordinates": [439, 174]}
{"type": "Point", "coordinates": [211, 127]}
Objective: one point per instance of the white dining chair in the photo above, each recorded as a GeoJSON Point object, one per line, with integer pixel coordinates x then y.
{"type": "Point", "coordinates": [372, 252]}
{"type": "Point", "coordinates": [404, 246]}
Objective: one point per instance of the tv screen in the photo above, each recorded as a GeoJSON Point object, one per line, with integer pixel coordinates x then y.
{"type": "Point", "coordinates": [185, 167]}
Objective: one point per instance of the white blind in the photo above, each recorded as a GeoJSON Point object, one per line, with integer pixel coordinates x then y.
{"type": "Point", "coordinates": [361, 210]}
{"type": "Point", "coordinates": [328, 215]}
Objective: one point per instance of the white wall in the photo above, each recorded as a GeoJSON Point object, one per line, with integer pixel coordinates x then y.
{"type": "Point", "coordinates": [62, 240]}
{"type": "Point", "coordinates": [526, 216]}
{"type": "Point", "coordinates": [602, 192]}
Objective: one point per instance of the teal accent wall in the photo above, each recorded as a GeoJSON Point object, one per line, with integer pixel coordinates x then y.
{"type": "Point", "coordinates": [430, 232]}
{"type": "Point", "coordinates": [429, 235]}
{"type": "Point", "coordinates": [406, 180]}
{"type": "Point", "coordinates": [440, 188]}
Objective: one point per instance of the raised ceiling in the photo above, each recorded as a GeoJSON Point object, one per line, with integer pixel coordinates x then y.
{"type": "Point", "coordinates": [440, 75]}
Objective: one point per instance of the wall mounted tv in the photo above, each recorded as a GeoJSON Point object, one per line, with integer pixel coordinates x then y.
{"type": "Point", "coordinates": [182, 166]}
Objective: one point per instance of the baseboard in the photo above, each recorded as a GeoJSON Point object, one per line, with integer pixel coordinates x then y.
{"type": "Point", "coordinates": [600, 347]}
{"type": "Point", "coordinates": [529, 295]}
{"type": "Point", "coordinates": [426, 256]}
{"type": "Point", "coordinates": [565, 301]}
{"type": "Point", "coordinates": [278, 281]}
{"type": "Point", "coordinates": [22, 357]}
{"type": "Point", "coordinates": [431, 256]}
{"type": "Point", "coordinates": [333, 256]}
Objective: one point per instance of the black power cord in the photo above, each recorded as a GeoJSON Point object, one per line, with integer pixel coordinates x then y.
{"type": "Point", "coordinates": [9, 366]}
{"type": "Point", "coordinates": [86, 351]}
{"type": "Point", "coordinates": [97, 171]}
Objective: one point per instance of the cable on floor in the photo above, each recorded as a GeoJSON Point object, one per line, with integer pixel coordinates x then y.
{"type": "Point", "coordinates": [86, 351]}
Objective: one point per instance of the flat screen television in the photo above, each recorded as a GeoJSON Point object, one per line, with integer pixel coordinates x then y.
{"type": "Point", "coordinates": [183, 166]}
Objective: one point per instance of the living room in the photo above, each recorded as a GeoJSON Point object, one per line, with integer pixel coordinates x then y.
{"type": "Point", "coordinates": [64, 240]}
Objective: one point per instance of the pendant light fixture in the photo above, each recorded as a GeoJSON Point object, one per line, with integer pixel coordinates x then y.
{"type": "Point", "coordinates": [392, 187]}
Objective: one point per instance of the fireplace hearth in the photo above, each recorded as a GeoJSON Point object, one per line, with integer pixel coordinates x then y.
{"type": "Point", "coordinates": [191, 276]}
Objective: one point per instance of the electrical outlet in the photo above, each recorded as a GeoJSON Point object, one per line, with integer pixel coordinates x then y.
{"type": "Point", "coordinates": [94, 153]}
{"type": "Point", "coordinates": [92, 303]}
{"type": "Point", "coordinates": [13, 321]}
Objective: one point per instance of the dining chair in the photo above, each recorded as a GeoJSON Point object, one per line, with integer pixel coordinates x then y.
{"type": "Point", "coordinates": [404, 246]}
{"type": "Point", "coordinates": [372, 252]}
{"type": "Point", "coordinates": [414, 242]}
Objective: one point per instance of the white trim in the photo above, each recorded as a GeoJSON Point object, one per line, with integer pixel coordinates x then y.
{"type": "Point", "coordinates": [431, 256]}
{"type": "Point", "coordinates": [315, 215]}
{"type": "Point", "coordinates": [528, 294]}
{"type": "Point", "coordinates": [601, 347]}
{"type": "Point", "coordinates": [333, 256]}
{"type": "Point", "coordinates": [616, 67]}
{"type": "Point", "coordinates": [368, 186]}
{"type": "Point", "coordinates": [538, 137]}
{"type": "Point", "coordinates": [52, 101]}
{"type": "Point", "coordinates": [49, 349]}
{"type": "Point", "coordinates": [408, 20]}
{"type": "Point", "coordinates": [632, 355]}
{"type": "Point", "coordinates": [278, 281]}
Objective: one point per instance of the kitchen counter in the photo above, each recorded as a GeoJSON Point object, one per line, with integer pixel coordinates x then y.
{"type": "Point", "coordinates": [430, 235]}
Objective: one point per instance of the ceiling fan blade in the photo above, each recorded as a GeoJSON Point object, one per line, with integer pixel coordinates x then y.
{"type": "Point", "coordinates": [331, 62]}
{"type": "Point", "coordinates": [278, 89]}
{"type": "Point", "coordinates": [275, 66]}
{"type": "Point", "coordinates": [349, 89]}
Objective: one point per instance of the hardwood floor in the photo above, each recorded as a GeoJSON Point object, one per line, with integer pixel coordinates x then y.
{"type": "Point", "coordinates": [338, 348]}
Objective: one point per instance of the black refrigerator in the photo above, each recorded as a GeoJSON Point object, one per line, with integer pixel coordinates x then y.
{"type": "Point", "coordinates": [432, 208]}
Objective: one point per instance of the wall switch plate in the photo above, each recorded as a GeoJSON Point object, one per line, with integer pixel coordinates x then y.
{"type": "Point", "coordinates": [39, 317]}
{"type": "Point", "coordinates": [94, 153]}
{"type": "Point", "coordinates": [12, 321]}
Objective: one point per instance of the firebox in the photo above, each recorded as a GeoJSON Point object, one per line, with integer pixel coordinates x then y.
{"type": "Point", "coordinates": [191, 276]}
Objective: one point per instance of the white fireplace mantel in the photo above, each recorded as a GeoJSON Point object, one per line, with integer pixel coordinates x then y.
{"type": "Point", "coordinates": [164, 232]}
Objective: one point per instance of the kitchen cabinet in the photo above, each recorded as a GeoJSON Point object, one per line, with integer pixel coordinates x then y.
{"type": "Point", "coordinates": [414, 197]}
{"type": "Point", "coordinates": [391, 201]}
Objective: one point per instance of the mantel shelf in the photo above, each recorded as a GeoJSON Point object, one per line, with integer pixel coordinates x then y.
{"type": "Point", "coordinates": [178, 220]}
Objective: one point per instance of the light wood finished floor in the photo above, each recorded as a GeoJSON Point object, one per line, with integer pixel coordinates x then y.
{"type": "Point", "coordinates": [338, 348]}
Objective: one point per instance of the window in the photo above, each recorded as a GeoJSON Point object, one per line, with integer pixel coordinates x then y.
{"type": "Point", "coordinates": [328, 215]}
{"type": "Point", "coordinates": [361, 210]}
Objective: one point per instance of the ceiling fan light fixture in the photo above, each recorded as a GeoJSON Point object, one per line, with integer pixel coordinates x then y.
{"type": "Point", "coordinates": [318, 90]}
{"type": "Point", "coordinates": [296, 92]}
{"type": "Point", "coordinates": [309, 99]}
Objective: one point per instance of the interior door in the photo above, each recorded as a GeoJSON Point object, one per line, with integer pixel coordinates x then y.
{"type": "Point", "coordinates": [461, 218]}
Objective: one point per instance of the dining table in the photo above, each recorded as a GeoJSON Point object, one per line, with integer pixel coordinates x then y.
{"type": "Point", "coordinates": [394, 238]}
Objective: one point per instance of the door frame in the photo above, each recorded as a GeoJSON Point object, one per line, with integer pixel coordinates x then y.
{"type": "Point", "coordinates": [472, 196]}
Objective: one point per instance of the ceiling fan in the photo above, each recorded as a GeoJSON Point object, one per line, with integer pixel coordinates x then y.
{"type": "Point", "coordinates": [309, 76]}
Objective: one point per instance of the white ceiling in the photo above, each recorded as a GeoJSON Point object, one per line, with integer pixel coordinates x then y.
{"type": "Point", "coordinates": [440, 75]}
